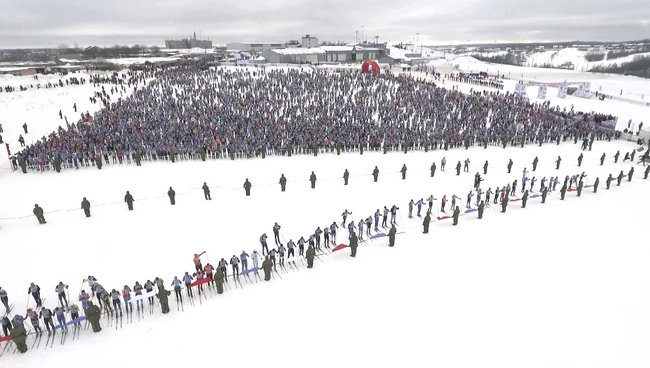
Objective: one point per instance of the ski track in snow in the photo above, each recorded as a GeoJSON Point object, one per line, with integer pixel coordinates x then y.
{"type": "Point", "coordinates": [555, 284]}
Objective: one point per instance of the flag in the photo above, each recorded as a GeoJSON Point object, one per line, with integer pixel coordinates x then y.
{"type": "Point", "coordinates": [640, 149]}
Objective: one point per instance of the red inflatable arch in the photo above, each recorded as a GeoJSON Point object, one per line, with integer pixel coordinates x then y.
{"type": "Point", "coordinates": [370, 65]}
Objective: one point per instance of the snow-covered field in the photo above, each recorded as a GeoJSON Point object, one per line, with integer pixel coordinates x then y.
{"type": "Point", "coordinates": [561, 284]}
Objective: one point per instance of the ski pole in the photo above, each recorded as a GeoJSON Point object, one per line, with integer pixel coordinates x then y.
{"type": "Point", "coordinates": [206, 257]}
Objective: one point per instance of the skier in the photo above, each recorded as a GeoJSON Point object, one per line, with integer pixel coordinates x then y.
{"type": "Point", "coordinates": [35, 290]}
{"type": "Point", "coordinates": [618, 153]}
{"type": "Point", "coordinates": [137, 288]}
{"type": "Point", "coordinates": [419, 204]}
{"type": "Point", "coordinates": [368, 225]}
{"type": "Point", "coordinates": [208, 270]}
{"type": "Point", "coordinates": [443, 162]}
{"type": "Point", "coordinates": [197, 261]}
{"type": "Point", "coordinates": [377, 215]}
{"type": "Point", "coordinates": [276, 233]}
{"type": "Point", "coordinates": [46, 314]}
{"type": "Point", "coordinates": [263, 242]}
{"type": "Point", "coordinates": [255, 257]}
{"type": "Point", "coordinates": [602, 159]}
{"type": "Point", "coordinates": [301, 245]}
{"type": "Point", "coordinates": [326, 237]}
{"type": "Point", "coordinates": [187, 279]}
{"type": "Point", "coordinates": [466, 166]}
{"type": "Point", "coordinates": [509, 165]}
{"type": "Point", "coordinates": [488, 194]}
{"type": "Point", "coordinates": [385, 218]}
{"type": "Point", "coordinates": [485, 167]}
{"type": "Point", "coordinates": [333, 228]}
{"type": "Point", "coordinates": [128, 198]}
{"type": "Point", "coordinates": [563, 192]}
{"type": "Point", "coordinates": [126, 295]}
{"type": "Point", "coordinates": [84, 298]}
{"type": "Point", "coordinates": [608, 182]}
{"type": "Point", "coordinates": [34, 319]}
{"type": "Point", "coordinates": [360, 227]}
{"type": "Point", "coordinates": [535, 161]}
{"type": "Point", "coordinates": [4, 299]}
{"type": "Point", "coordinates": [234, 262]}
{"type": "Point", "coordinates": [544, 193]}
{"type": "Point", "coordinates": [619, 178]}
{"type": "Point", "coordinates": [596, 184]}
{"type": "Point", "coordinates": [223, 266]}
{"type": "Point", "coordinates": [60, 290]}
{"type": "Point", "coordinates": [557, 163]}
{"type": "Point", "coordinates": [85, 205]}
{"type": "Point", "coordinates": [244, 261]}
{"type": "Point", "coordinates": [453, 201]}
{"type": "Point", "coordinates": [630, 173]}
{"type": "Point", "coordinates": [532, 184]}
{"type": "Point", "coordinates": [458, 166]}
{"type": "Point", "coordinates": [411, 204]}
{"type": "Point", "coordinates": [345, 216]}
{"type": "Point", "coordinates": [206, 191]}
{"type": "Point", "coordinates": [393, 213]}
{"type": "Point", "coordinates": [469, 199]}
{"type": "Point", "coordinates": [351, 228]}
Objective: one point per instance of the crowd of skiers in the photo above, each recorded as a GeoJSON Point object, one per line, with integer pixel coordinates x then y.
{"type": "Point", "coordinates": [190, 112]}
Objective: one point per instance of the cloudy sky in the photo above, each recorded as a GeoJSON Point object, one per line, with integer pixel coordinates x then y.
{"type": "Point", "coordinates": [47, 23]}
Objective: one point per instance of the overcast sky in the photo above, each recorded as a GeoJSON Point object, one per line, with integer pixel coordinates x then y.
{"type": "Point", "coordinates": [47, 23]}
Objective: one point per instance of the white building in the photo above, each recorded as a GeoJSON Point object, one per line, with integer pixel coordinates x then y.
{"type": "Point", "coordinates": [254, 46]}
{"type": "Point", "coordinates": [309, 42]}
{"type": "Point", "coordinates": [299, 55]}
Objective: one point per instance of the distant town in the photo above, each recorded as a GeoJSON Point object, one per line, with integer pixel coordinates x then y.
{"type": "Point", "coordinates": [310, 50]}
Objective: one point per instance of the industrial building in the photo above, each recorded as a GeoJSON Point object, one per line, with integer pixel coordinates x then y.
{"type": "Point", "coordinates": [186, 43]}
{"type": "Point", "coordinates": [309, 42]}
{"type": "Point", "coordinates": [295, 55]}
{"type": "Point", "coordinates": [254, 46]}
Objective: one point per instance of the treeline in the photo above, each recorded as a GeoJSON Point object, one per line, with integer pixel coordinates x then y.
{"type": "Point", "coordinates": [117, 51]}
{"type": "Point", "coordinates": [620, 54]}
{"type": "Point", "coordinates": [595, 57]}
{"type": "Point", "coordinates": [639, 66]}
{"type": "Point", "coordinates": [510, 58]}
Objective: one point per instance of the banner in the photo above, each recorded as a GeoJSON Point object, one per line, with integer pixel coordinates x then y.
{"type": "Point", "coordinates": [561, 92]}
{"type": "Point", "coordinates": [541, 93]}
{"type": "Point", "coordinates": [520, 89]}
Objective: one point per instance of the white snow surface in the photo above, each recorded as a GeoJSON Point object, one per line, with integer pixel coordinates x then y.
{"type": "Point", "coordinates": [561, 284]}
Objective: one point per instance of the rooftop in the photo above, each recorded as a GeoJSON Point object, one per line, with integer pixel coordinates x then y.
{"type": "Point", "coordinates": [300, 51]}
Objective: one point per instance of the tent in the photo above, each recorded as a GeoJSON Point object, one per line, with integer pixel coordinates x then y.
{"type": "Point", "coordinates": [369, 65]}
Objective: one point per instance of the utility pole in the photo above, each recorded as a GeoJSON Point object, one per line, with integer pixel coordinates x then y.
{"type": "Point", "coordinates": [417, 38]}
{"type": "Point", "coordinates": [357, 36]}
{"type": "Point", "coordinates": [362, 34]}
